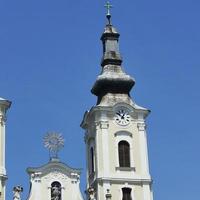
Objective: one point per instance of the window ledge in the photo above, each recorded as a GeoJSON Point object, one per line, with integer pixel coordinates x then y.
{"type": "Point", "coordinates": [125, 168]}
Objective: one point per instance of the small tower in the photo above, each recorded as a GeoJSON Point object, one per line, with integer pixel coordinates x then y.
{"type": "Point", "coordinates": [115, 131]}
{"type": "Point", "coordinates": [4, 106]}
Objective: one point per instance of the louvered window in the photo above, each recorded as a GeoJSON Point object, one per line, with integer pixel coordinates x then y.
{"type": "Point", "coordinates": [124, 154]}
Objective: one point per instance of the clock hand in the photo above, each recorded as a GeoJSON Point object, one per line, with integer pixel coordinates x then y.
{"type": "Point", "coordinates": [118, 114]}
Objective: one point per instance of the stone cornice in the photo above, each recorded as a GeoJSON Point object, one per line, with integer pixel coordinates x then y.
{"type": "Point", "coordinates": [129, 180]}
{"type": "Point", "coordinates": [52, 166]}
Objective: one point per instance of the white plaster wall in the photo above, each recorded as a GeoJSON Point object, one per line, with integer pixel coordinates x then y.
{"type": "Point", "coordinates": [4, 105]}
{"type": "Point", "coordinates": [41, 186]}
{"type": "Point", "coordinates": [108, 135]}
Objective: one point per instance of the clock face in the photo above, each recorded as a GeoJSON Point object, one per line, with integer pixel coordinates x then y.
{"type": "Point", "coordinates": [122, 117]}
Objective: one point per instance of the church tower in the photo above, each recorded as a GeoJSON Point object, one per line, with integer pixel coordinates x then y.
{"type": "Point", "coordinates": [4, 106]}
{"type": "Point", "coordinates": [115, 131]}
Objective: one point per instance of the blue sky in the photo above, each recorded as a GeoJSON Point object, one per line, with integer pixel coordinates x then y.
{"type": "Point", "coordinates": [50, 55]}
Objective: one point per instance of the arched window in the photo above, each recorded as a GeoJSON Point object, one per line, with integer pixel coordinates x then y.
{"type": "Point", "coordinates": [126, 194]}
{"type": "Point", "coordinates": [124, 154]}
{"type": "Point", "coordinates": [91, 160]}
{"type": "Point", "coordinates": [56, 191]}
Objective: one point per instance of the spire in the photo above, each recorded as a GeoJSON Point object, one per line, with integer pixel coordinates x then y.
{"type": "Point", "coordinates": [110, 39]}
{"type": "Point", "coordinates": [112, 79]}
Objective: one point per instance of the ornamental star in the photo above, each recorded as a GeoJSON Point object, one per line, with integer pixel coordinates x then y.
{"type": "Point", "coordinates": [53, 142]}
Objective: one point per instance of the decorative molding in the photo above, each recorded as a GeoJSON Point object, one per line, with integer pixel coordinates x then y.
{"type": "Point", "coordinates": [103, 124]}
{"type": "Point", "coordinates": [123, 133]}
{"type": "Point", "coordinates": [128, 137]}
{"type": "Point", "coordinates": [36, 177]}
{"type": "Point", "coordinates": [56, 175]}
{"type": "Point", "coordinates": [2, 119]}
{"type": "Point", "coordinates": [141, 126]}
{"type": "Point", "coordinates": [74, 176]}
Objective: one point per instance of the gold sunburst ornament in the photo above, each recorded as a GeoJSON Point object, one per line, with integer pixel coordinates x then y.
{"type": "Point", "coordinates": [53, 142]}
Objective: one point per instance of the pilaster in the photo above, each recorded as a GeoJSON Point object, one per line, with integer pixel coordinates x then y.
{"type": "Point", "coordinates": [2, 143]}
{"type": "Point", "coordinates": [147, 192]}
{"type": "Point", "coordinates": [103, 147]}
{"type": "Point", "coordinates": [143, 148]}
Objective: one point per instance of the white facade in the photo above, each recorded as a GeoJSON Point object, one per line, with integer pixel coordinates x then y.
{"type": "Point", "coordinates": [42, 181]}
{"type": "Point", "coordinates": [4, 105]}
{"type": "Point", "coordinates": [103, 132]}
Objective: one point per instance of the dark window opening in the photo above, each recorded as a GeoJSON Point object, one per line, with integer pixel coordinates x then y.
{"type": "Point", "coordinates": [126, 194]}
{"type": "Point", "coordinates": [124, 154]}
{"type": "Point", "coordinates": [91, 160]}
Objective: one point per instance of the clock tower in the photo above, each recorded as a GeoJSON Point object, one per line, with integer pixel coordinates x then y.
{"type": "Point", "coordinates": [115, 131]}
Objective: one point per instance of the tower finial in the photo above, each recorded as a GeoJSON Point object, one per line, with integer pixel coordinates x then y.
{"type": "Point", "coordinates": [108, 6]}
{"type": "Point", "coordinates": [53, 142]}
